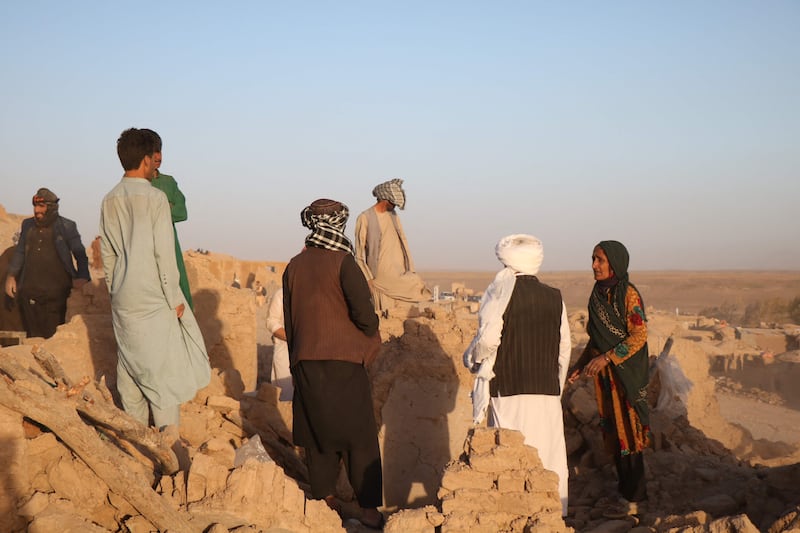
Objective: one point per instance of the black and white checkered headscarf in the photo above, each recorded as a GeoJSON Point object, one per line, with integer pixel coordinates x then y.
{"type": "Point", "coordinates": [326, 220]}
{"type": "Point", "coordinates": [392, 191]}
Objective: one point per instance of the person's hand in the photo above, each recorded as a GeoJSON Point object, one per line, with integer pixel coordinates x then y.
{"type": "Point", "coordinates": [573, 376]}
{"type": "Point", "coordinates": [11, 286]}
{"type": "Point", "coordinates": [279, 333]}
{"type": "Point", "coordinates": [596, 365]}
{"type": "Point", "coordinates": [179, 310]}
{"type": "Point", "coordinates": [77, 283]}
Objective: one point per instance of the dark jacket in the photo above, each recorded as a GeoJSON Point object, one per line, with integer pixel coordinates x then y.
{"type": "Point", "coordinates": [328, 313]}
{"type": "Point", "coordinates": [527, 358]}
{"type": "Point", "coordinates": [67, 242]}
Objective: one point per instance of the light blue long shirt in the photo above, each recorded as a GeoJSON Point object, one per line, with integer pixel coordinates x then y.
{"type": "Point", "coordinates": [164, 355]}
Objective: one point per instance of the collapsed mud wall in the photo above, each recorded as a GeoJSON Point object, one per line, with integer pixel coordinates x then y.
{"type": "Point", "coordinates": [422, 396]}
{"type": "Point", "coordinates": [423, 407]}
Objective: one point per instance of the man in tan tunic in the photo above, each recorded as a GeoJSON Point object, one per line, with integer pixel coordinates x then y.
{"type": "Point", "coordinates": [382, 251]}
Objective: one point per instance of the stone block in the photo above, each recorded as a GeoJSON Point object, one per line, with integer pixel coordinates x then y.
{"type": "Point", "coordinates": [106, 516]}
{"type": "Point", "coordinates": [195, 423]}
{"type": "Point", "coordinates": [259, 494]}
{"type": "Point", "coordinates": [739, 523]}
{"type": "Point", "coordinates": [482, 440]}
{"type": "Point", "coordinates": [512, 481]}
{"type": "Point", "coordinates": [139, 524]}
{"type": "Point", "coordinates": [61, 515]}
{"type": "Point", "coordinates": [166, 487]}
{"type": "Point", "coordinates": [521, 503]}
{"type": "Point", "coordinates": [541, 481]}
{"type": "Point", "coordinates": [74, 481]}
{"type": "Point", "coordinates": [293, 499]}
{"type": "Point", "coordinates": [35, 505]}
{"type": "Point", "coordinates": [219, 449]}
{"type": "Point", "coordinates": [43, 451]}
{"type": "Point", "coordinates": [460, 523]}
{"type": "Point", "coordinates": [422, 520]}
{"type": "Point", "coordinates": [223, 404]}
{"type": "Point", "coordinates": [510, 437]}
{"type": "Point", "coordinates": [206, 477]}
{"type": "Point", "coordinates": [495, 521]}
{"type": "Point", "coordinates": [529, 459]}
{"type": "Point", "coordinates": [319, 515]}
{"type": "Point", "coordinates": [466, 478]}
{"type": "Point", "coordinates": [552, 522]}
{"type": "Point", "coordinates": [233, 430]}
{"type": "Point", "coordinates": [498, 460]}
{"type": "Point", "coordinates": [470, 501]}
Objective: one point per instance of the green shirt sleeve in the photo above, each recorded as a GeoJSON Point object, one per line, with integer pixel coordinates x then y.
{"type": "Point", "coordinates": [177, 202]}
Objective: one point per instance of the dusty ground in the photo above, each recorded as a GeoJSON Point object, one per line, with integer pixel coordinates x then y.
{"type": "Point", "coordinates": [772, 422]}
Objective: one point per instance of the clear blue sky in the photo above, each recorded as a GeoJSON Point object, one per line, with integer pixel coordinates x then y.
{"type": "Point", "coordinates": [670, 126]}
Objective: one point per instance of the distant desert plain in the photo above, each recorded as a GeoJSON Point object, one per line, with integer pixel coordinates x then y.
{"type": "Point", "coordinates": [688, 291]}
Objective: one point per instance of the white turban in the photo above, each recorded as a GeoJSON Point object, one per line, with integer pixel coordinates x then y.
{"type": "Point", "coordinates": [521, 254]}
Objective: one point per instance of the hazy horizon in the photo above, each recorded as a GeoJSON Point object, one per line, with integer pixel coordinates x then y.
{"type": "Point", "coordinates": [669, 127]}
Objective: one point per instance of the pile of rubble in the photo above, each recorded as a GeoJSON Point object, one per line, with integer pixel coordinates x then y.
{"type": "Point", "coordinates": [77, 463]}
{"type": "Point", "coordinates": [498, 484]}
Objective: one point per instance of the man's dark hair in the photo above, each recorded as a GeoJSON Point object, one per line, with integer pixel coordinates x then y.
{"type": "Point", "coordinates": [133, 144]}
{"type": "Point", "coordinates": [157, 138]}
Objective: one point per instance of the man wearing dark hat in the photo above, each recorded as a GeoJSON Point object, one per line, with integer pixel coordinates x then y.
{"type": "Point", "coordinates": [332, 334]}
{"type": "Point", "coordinates": [41, 272]}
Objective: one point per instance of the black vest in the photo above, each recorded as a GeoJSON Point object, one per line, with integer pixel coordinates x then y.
{"type": "Point", "coordinates": [527, 358]}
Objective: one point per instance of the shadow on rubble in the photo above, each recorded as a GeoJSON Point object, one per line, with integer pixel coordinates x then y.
{"type": "Point", "coordinates": [11, 490]}
{"type": "Point", "coordinates": [414, 390]}
{"type": "Point", "coordinates": [206, 304]}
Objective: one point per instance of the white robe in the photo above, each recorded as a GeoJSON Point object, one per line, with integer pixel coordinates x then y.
{"type": "Point", "coordinates": [164, 355]}
{"type": "Point", "coordinates": [281, 375]}
{"type": "Point", "coordinates": [538, 417]}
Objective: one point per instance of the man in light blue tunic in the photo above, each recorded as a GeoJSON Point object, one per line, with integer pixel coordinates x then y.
{"type": "Point", "coordinates": [162, 359]}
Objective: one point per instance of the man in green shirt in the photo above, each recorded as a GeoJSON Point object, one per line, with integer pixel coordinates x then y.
{"type": "Point", "coordinates": [177, 206]}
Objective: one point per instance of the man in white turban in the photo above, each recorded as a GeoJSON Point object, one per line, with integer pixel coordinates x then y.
{"type": "Point", "coordinates": [520, 355]}
{"type": "Point", "coordinates": [382, 250]}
